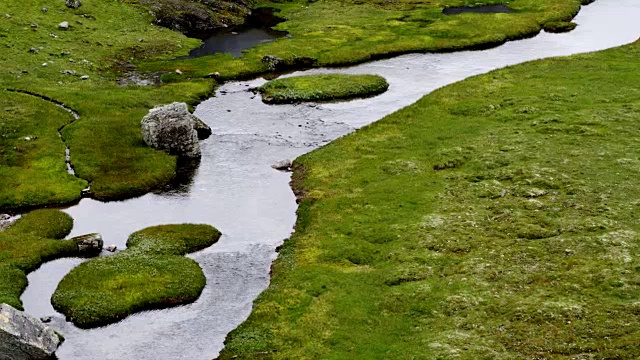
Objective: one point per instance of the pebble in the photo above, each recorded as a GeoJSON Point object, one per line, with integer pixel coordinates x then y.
{"type": "Point", "coordinates": [178, 72]}
{"type": "Point", "coordinates": [44, 64]}
{"type": "Point", "coordinates": [44, 9]}
{"type": "Point", "coordinates": [63, 25]}
{"type": "Point", "coordinates": [84, 77]}
{"type": "Point", "coordinates": [33, 50]}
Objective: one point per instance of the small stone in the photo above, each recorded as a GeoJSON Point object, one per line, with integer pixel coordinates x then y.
{"type": "Point", "coordinates": [34, 25]}
{"type": "Point", "coordinates": [63, 25]}
{"type": "Point", "coordinates": [27, 138]}
{"type": "Point", "coordinates": [178, 72]}
{"type": "Point", "coordinates": [67, 72]}
{"type": "Point", "coordinates": [234, 33]}
{"type": "Point", "coordinates": [73, 4]}
{"type": "Point", "coordinates": [53, 35]}
{"type": "Point", "coordinates": [568, 252]}
{"type": "Point", "coordinates": [90, 243]}
{"type": "Point", "coordinates": [112, 248]}
{"type": "Point", "coordinates": [44, 9]}
{"type": "Point", "coordinates": [65, 53]}
{"type": "Point", "coordinates": [33, 50]}
{"type": "Point", "coordinates": [283, 165]}
{"type": "Point", "coordinates": [7, 16]}
{"type": "Point", "coordinates": [46, 319]}
{"type": "Point", "coordinates": [84, 77]}
{"type": "Point", "coordinates": [140, 40]}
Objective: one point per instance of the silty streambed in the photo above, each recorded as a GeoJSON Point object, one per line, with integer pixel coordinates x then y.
{"type": "Point", "coordinates": [235, 189]}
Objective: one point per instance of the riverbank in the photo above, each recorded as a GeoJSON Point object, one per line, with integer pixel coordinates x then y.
{"type": "Point", "coordinates": [490, 219]}
{"type": "Point", "coordinates": [74, 56]}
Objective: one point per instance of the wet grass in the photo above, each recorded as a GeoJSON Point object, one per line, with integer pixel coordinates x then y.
{"type": "Point", "coordinates": [324, 87]}
{"type": "Point", "coordinates": [106, 38]}
{"type": "Point", "coordinates": [31, 241]}
{"type": "Point", "coordinates": [151, 273]}
{"type": "Point", "coordinates": [496, 218]}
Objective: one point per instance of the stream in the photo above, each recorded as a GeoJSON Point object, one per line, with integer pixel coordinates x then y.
{"type": "Point", "coordinates": [236, 190]}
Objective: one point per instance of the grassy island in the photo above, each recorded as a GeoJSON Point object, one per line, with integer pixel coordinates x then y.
{"type": "Point", "coordinates": [78, 65]}
{"type": "Point", "coordinates": [496, 218]}
{"type": "Point", "coordinates": [151, 273]}
{"type": "Point", "coordinates": [324, 87]}
{"type": "Point", "coordinates": [31, 241]}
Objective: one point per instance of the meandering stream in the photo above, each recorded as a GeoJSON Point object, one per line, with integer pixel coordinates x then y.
{"type": "Point", "coordinates": [236, 190]}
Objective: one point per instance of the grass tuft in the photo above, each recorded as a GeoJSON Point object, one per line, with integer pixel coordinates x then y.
{"type": "Point", "coordinates": [151, 273]}
{"type": "Point", "coordinates": [324, 87]}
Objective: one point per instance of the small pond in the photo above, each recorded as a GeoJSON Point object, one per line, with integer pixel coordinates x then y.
{"type": "Point", "coordinates": [256, 30]}
{"type": "Point", "coordinates": [484, 9]}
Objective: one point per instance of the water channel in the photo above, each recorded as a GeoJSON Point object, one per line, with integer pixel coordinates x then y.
{"type": "Point", "coordinates": [236, 190]}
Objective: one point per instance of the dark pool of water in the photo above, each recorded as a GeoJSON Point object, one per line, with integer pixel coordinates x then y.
{"type": "Point", "coordinates": [256, 30]}
{"type": "Point", "coordinates": [484, 9]}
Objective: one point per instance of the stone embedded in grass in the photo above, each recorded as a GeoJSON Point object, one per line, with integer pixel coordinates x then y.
{"type": "Point", "coordinates": [63, 25]}
{"type": "Point", "coordinates": [73, 4]}
{"type": "Point", "coordinates": [151, 273]}
{"type": "Point", "coordinates": [323, 87]}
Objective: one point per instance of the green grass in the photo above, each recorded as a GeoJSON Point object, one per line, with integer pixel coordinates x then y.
{"type": "Point", "coordinates": [151, 273]}
{"type": "Point", "coordinates": [559, 26]}
{"type": "Point", "coordinates": [327, 87]}
{"type": "Point", "coordinates": [107, 37]}
{"type": "Point", "coordinates": [32, 154]}
{"type": "Point", "coordinates": [31, 241]}
{"type": "Point", "coordinates": [496, 218]}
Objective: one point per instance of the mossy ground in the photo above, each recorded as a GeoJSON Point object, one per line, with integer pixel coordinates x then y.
{"type": "Point", "coordinates": [106, 37]}
{"type": "Point", "coordinates": [324, 87]}
{"type": "Point", "coordinates": [151, 273]}
{"type": "Point", "coordinates": [31, 241]}
{"type": "Point", "coordinates": [496, 218]}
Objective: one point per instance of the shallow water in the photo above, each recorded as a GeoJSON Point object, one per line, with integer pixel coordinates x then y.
{"type": "Point", "coordinates": [236, 190]}
{"type": "Point", "coordinates": [256, 30]}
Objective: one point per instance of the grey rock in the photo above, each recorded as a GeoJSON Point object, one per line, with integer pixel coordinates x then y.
{"type": "Point", "coordinates": [84, 77]}
{"type": "Point", "coordinates": [63, 25]}
{"type": "Point", "coordinates": [283, 165]}
{"type": "Point", "coordinates": [44, 9]}
{"type": "Point", "coordinates": [34, 25]}
{"type": "Point", "coordinates": [68, 72]}
{"type": "Point", "coordinates": [23, 337]}
{"type": "Point", "coordinates": [170, 128]}
{"type": "Point", "coordinates": [90, 243]}
{"type": "Point", "coordinates": [203, 130]}
{"type": "Point", "coordinates": [33, 50]}
{"type": "Point", "coordinates": [111, 248]}
{"type": "Point", "coordinates": [73, 4]}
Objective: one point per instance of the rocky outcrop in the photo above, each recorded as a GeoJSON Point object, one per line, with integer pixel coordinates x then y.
{"type": "Point", "coordinates": [23, 337]}
{"type": "Point", "coordinates": [171, 128]}
{"type": "Point", "coordinates": [73, 4]}
{"type": "Point", "coordinates": [89, 244]}
{"type": "Point", "coordinates": [197, 16]}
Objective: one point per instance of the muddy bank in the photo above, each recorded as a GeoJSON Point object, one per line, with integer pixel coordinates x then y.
{"type": "Point", "coordinates": [236, 190]}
